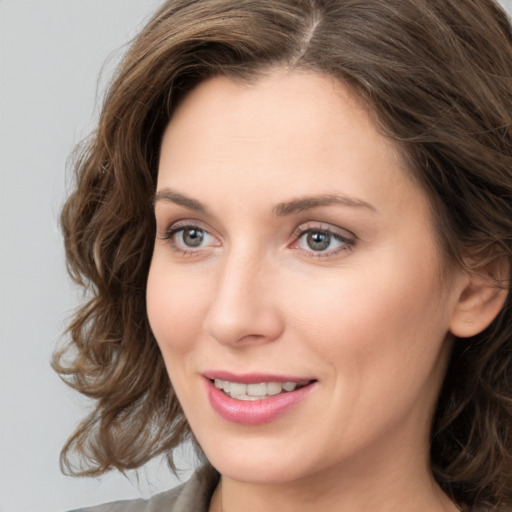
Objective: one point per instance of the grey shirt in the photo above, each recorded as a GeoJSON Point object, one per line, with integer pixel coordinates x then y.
{"type": "Point", "coordinates": [193, 496]}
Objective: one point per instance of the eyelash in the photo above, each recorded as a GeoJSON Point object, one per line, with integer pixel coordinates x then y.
{"type": "Point", "coordinates": [175, 229]}
{"type": "Point", "coordinates": [347, 242]}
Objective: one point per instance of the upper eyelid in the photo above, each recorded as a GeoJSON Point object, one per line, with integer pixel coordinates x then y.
{"type": "Point", "coordinates": [327, 227]}
{"type": "Point", "coordinates": [173, 229]}
{"type": "Point", "coordinates": [185, 223]}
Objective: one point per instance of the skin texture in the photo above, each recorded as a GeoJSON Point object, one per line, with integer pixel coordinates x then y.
{"type": "Point", "coordinates": [369, 318]}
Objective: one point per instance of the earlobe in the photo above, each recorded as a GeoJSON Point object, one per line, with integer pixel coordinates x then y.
{"type": "Point", "coordinates": [481, 300]}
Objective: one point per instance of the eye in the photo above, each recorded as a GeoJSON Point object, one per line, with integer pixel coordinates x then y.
{"type": "Point", "coordinates": [316, 240]}
{"type": "Point", "coordinates": [320, 241]}
{"type": "Point", "coordinates": [189, 238]}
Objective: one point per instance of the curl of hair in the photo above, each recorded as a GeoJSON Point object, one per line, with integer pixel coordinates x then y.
{"type": "Point", "coordinates": [437, 77]}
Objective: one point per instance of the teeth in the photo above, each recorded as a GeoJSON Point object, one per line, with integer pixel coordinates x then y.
{"type": "Point", "coordinates": [289, 386]}
{"type": "Point", "coordinates": [235, 388]}
{"type": "Point", "coordinates": [255, 391]}
{"type": "Point", "coordinates": [274, 388]}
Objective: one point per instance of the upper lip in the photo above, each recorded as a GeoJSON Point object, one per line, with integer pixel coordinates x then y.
{"type": "Point", "coordinates": [252, 378]}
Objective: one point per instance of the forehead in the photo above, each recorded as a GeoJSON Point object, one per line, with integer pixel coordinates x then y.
{"type": "Point", "coordinates": [283, 121]}
{"type": "Point", "coordinates": [282, 105]}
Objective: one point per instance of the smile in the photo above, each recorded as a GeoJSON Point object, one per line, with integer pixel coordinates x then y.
{"type": "Point", "coordinates": [255, 399]}
{"type": "Point", "coordinates": [257, 391]}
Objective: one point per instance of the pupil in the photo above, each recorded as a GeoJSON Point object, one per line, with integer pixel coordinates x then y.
{"type": "Point", "coordinates": [318, 241]}
{"type": "Point", "coordinates": [193, 237]}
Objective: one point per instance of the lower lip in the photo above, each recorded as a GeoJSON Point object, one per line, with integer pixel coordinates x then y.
{"type": "Point", "coordinates": [254, 412]}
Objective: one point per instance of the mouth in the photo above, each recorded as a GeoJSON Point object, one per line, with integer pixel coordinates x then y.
{"type": "Point", "coordinates": [257, 391]}
{"type": "Point", "coordinates": [255, 399]}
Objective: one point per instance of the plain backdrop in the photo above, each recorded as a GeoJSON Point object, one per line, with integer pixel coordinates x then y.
{"type": "Point", "coordinates": [51, 55]}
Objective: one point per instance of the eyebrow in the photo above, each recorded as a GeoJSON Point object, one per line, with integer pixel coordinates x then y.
{"type": "Point", "coordinates": [298, 205]}
{"type": "Point", "coordinates": [302, 204]}
{"type": "Point", "coordinates": [167, 195]}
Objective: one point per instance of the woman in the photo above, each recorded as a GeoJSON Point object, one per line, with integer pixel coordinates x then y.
{"type": "Point", "coordinates": [294, 221]}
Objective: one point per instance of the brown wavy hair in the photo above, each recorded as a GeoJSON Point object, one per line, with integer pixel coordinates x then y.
{"type": "Point", "coordinates": [437, 77]}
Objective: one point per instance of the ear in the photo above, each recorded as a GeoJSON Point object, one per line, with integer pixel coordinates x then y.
{"type": "Point", "coordinates": [482, 298]}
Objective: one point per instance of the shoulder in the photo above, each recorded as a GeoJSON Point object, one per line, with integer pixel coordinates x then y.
{"type": "Point", "coordinates": [192, 496]}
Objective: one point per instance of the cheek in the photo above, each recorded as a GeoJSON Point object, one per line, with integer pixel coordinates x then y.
{"type": "Point", "coordinates": [175, 308]}
{"type": "Point", "coordinates": [383, 318]}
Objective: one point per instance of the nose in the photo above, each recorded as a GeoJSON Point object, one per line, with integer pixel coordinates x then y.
{"type": "Point", "coordinates": [244, 307]}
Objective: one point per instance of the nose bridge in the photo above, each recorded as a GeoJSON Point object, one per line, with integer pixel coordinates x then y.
{"type": "Point", "coordinates": [243, 306]}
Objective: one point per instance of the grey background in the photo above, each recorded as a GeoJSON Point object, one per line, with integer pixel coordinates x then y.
{"type": "Point", "coordinates": [51, 54]}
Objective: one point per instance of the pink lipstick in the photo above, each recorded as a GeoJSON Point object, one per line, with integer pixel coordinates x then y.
{"type": "Point", "coordinates": [253, 399]}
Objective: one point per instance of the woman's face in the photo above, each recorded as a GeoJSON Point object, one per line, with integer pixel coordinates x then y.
{"type": "Point", "coordinates": [296, 263]}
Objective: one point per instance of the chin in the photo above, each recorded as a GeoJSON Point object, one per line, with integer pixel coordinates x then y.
{"type": "Point", "coordinates": [258, 464]}
{"type": "Point", "coordinates": [257, 472]}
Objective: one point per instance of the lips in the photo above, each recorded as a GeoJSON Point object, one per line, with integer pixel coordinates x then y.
{"type": "Point", "coordinates": [253, 399]}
